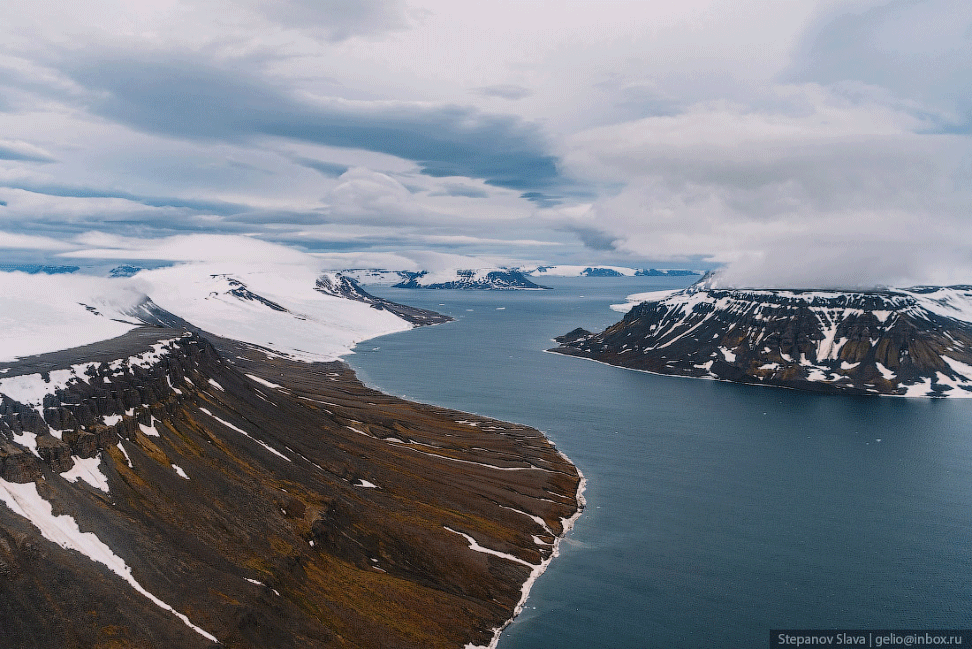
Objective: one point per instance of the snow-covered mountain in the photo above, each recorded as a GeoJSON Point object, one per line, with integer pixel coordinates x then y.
{"type": "Point", "coordinates": [340, 285]}
{"type": "Point", "coordinates": [906, 342]}
{"type": "Point", "coordinates": [290, 309]}
{"type": "Point", "coordinates": [374, 276]}
{"type": "Point", "coordinates": [605, 271]}
{"type": "Point", "coordinates": [482, 279]}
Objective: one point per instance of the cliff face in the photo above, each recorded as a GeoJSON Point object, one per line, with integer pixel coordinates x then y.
{"type": "Point", "coordinates": [165, 489]}
{"type": "Point", "coordinates": [901, 342]}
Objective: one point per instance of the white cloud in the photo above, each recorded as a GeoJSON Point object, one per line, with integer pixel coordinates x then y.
{"type": "Point", "coordinates": [784, 191]}
{"type": "Point", "coordinates": [13, 240]}
{"type": "Point", "coordinates": [193, 247]}
{"type": "Point", "coordinates": [798, 141]}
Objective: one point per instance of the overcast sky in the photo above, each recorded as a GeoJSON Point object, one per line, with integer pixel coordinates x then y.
{"type": "Point", "coordinates": [814, 143]}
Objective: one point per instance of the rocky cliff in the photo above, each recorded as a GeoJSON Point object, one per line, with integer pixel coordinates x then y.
{"type": "Point", "coordinates": [171, 489]}
{"type": "Point", "coordinates": [914, 342]}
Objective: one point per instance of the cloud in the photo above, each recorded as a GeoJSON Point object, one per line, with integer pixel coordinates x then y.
{"type": "Point", "coordinates": [338, 20]}
{"type": "Point", "coordinates": [456, 189]}
{"type": "Point", "coordinates": [504, 91]}
{"type": "Point", "coordinates": [189, 248]}
{"type": "Point", "coordinates": [329, 169]}
{"type": "Point", "coordinates": [918, 50]}
{"type": "Point", "coordinates": [189, 99]}
{"type": "Point", "coordinates": [13, 240]}
{"type": "Point", "coordinates": [23, 151]}
{"type": "Point", "coordinates": [813, 189]}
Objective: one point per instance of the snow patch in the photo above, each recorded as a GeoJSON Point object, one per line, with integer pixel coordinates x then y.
{"type": "Point", "coordinates": [263, 381]}
{"type": "Point", "coordinates": [24, 500]}
{"type": "Point", "coordinates": [89, 470]}
{"type": "Point", "coordinates": [246, 434]}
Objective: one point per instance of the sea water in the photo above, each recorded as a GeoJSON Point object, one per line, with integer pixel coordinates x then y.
{"type": "Point", "coordinates": [715, 511]}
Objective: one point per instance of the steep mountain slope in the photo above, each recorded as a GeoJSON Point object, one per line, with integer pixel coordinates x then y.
{"type": "Point", "coordinates": [915, 342]}
{"type": "Point", "coordinates": [165, 489]}
{"type": "Point", "coordinates": [200, 474]}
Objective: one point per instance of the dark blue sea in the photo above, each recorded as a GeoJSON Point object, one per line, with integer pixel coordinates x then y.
{"type": "Point", "coordinates": [715, 511]}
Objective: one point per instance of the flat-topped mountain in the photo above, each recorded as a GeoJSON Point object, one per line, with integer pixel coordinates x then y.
{"type": "Point", "coordinates": [906, 342]}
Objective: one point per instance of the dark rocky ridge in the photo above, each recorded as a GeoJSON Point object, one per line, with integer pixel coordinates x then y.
{"type": "Point", "coordinates": [340, 565]}
{"type": "Point", "coordinates": [885, 342]}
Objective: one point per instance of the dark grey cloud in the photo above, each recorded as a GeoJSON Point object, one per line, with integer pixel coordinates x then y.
{"type": "Point", "coordinates": [329, 169]}
{"type": "Point", "coordinates": [455, 189]}
{"type": "Point", "coordinates": [504, 91]}
{"type": "Point", "coordinates": [541, 199]}
{"type": "Point", "coordinates": [338, 20]}
{"type": "Point", "coordinates": [189, 100]}
{"type": "Point", "coordinates": [223, 208]}
{"type": "Point", "coordinates": [13, 153]}
{"type": "Point", "coordinates": [594, 238]}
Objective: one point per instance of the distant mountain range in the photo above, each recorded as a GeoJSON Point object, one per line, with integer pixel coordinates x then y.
{"type": "Point", "coordinates": [498, 278]}
{"type": "Point", "coordinates": [34, 269]}
{"type": "Point", "coordinates": [608, 271]}
{"type": "Point", "coordinates": [482, 279]}
{"type": "Point", "coordinates": [904, 342]}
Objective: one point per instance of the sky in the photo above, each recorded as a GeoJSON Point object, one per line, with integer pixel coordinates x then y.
{"type": "Point", "coordinates": [789, 142]}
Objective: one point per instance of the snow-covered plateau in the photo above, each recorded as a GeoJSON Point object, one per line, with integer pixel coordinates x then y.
{"type": "Point", "coordinates": [914, 342]}
{"type": "Point", "coordinates": [275, 306]}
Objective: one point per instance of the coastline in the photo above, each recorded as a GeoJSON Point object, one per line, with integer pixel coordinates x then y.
{"type": "Point", "coordinates": [966, 395]}
{"type": "Point", "coordinates": [568, 525]}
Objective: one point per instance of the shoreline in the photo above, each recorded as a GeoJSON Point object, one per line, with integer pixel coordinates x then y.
{"type": "Point", "coordinates": [967, 395]}
{"type": "Point", "coordinates": [568, 525]}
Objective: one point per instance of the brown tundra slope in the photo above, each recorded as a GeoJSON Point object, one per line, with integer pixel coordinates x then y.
{"type": "Point", "coordinates": [172, 489]}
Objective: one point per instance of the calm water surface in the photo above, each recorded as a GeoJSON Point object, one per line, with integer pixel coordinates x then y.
{"type": "Point", "coordinates": [715, 511]}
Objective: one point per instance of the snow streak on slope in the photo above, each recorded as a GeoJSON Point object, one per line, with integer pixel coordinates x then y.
{"type": "Point", "coordinates": [24, 500]}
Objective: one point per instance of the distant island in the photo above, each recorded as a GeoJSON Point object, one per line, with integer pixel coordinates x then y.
{"type": "Point", "coordinates": [499, 279]}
